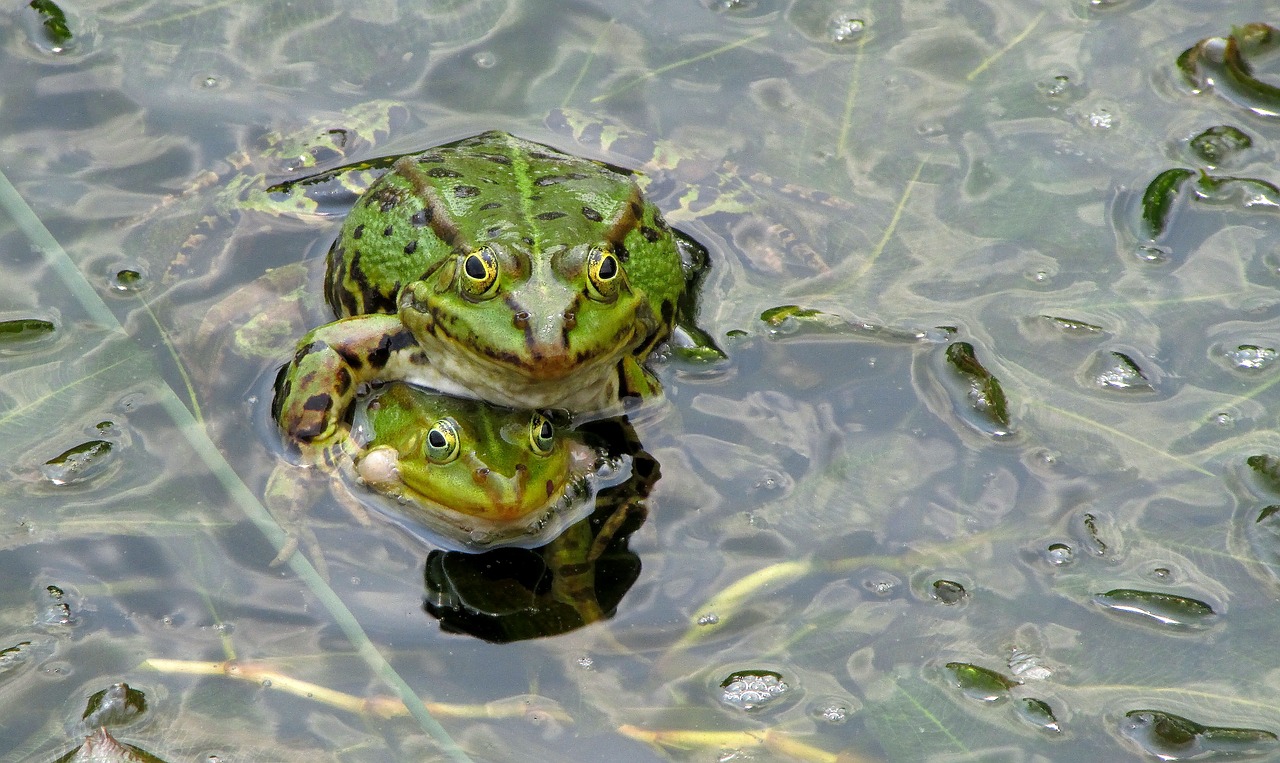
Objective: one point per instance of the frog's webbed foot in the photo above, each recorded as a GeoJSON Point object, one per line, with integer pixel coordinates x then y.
{"type": "Point", "coordinates": [290, 491]}
{"type": "Point", "coordinates": [314, 392]}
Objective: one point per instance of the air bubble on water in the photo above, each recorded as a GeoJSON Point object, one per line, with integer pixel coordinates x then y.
{"type": "Point", "coordinates": [1101, 119]}
{"type": "Point", "coordinates": [1152, 253]}
{"type": "Point", "coordinates": [880, 587]}
{"type": "Point", "coordinates": [210, 82]}
{"type": "Point", "coordinates": [1027, 666]}
{"type": "Point", "coordinates": [1251, 357]}
{"type": "Point", "coordinates": [585, 662]}
{"type": "Point", "coordinates": [844, 28]}
{"type": "Point", "coordinates": [1059, 554]}
{"type": "Point", "coordinates": [752, 690]}
{"type": "Point", "coordinates": [485, 59]}
{"type": "Point", "coordinates": [1223, 419]}
{"type": "Point", "coordinates": [711, 618]}
{"type": "Point", "coordinates": [1054, 88]}
{"type": "Point", "coordinates": [831, 711]}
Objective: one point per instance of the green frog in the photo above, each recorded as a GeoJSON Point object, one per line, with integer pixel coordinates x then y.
{"type": "Point", "coordinates": [496, 268]}
{"type": "Point", "coordinates": [470, 471]}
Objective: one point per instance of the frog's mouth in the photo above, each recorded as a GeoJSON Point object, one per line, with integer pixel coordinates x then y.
{"type": "Point", "coordinates": [543, 361]}
{"type": "Point", "coordinates": [526, 518]}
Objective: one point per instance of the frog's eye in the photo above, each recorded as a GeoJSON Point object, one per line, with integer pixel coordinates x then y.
{"type": "Point", "coordinates": [480, 274]}
{"type": "Point", "coordinates": [604, 275]}
{"type": "Point", "coordinates": [541, 434]}
{"type": "Point", "coordinates": [441, 444]}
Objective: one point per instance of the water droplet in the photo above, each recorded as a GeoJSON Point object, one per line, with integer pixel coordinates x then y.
{"type": "Point", "coordinates": [1172, 737]}
{"type": "Point", "coordinates": [1224, 419]}
{"type": "Point", "coordinates": [1117, 371]}
{"type": "Point", "coordinates": [830, 710]}
{"type": "Point", "coordinates": [1251, 357]}
{"type": "Point", "coordinates": [882, 587]}
{"type": "Point", "coordinates": [948, 591]}
{"type": "Point", "coordinates": [1059, 554]}
{"type": "Point", "coordinates": [1055, 88]}
{"type": "Point", "coordinates": [1027, 666]}
{"type": "Point", "coordinates": [1101, 119]}
{"type": "Point", "coordinates": [128, 280]}
{"type": "Point", "coordinates": [711, 618]}
{"type": "Point", "coordinates": [843, 28]}
{"type": "Point", "coordinates": [752, 689]}
{"type": "Point", "coordinates": [79, 463]}
{"type": "Point", "coordinates": [585, 662]}
{"type": "Point", "coordinates": [1220, 145]}
{"type": "Point", "coordinates": [982, 684]}
{"type": "Point", "coordinates": [209, 82]}
{"type": "Point", "coordinates": [116, 705]}
{"type": "Point", "coordinates": [1037, 713]}
{"type": "Point", "coordinates": [485, 59]}
{"type": "Point", "coordinates": [1162, 608]}
{"type": "Point", "coordinates": [1152, 254]}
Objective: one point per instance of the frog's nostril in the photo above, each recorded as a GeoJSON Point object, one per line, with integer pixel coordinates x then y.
{"type": "Point", "coordinates": [570, 319]}
{"type": "Point", "coordinates": [522, 319]}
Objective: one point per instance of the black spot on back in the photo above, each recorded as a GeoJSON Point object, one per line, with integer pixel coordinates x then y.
{"type": "Point", "coordinates": [549, 180]}
{"type": "Point", "coordinates": [387, 231]}
{"type": "Point", "coordinates": [321, 402]}
{"type": "Point", "coordinates": [391, 343]}
{"type": "Point", "coordinates": [358, 232]}
{"type": "Point", "coordinates": [549, 216]}
{"type": "Point", "coordinates": [592, 214]}
{"type": "Point", "coordinates": [497, 158]}
{"type": "Point", "coordinates": [343, 378]}
{"type": "Point", "coordinates": [492, 205]}
{"type": "Point", "coordinates": [620, 251]}
{"type": "Point", "coordinates": [430, 159]}
{"type": "Point", "coordinates": [443, 172]}
{"type": "Point", "coordinates": [649, 234]}
{"type": "Point", "coordinates": [411, 247]}
{"type": "Point", "coordinates": [421, 217]}
{"type": "Point", "coordinates": [465, 191]}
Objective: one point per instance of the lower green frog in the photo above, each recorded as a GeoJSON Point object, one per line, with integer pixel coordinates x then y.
{"type": "Point", "coordinates": [474, 473]}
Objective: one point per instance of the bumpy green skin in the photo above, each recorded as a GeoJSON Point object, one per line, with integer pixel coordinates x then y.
{"type": "Point", "coordinates": [546, 332]}
{"type": "Point", "coordinates": [504, 471]}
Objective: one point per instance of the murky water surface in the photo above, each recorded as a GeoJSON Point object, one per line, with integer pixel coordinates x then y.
{"type": "Point", "coordinates": [1001, 485]}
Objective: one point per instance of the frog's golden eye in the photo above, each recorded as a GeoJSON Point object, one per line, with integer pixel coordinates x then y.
{"type": "Point", "coordinates": [541, 434]}
{"type": "Point", "coordinates": [479, 278]}
{"type": "Point", "coordinates": [442, 444]}
{"type": "Point", "coordinates": [604, 275]}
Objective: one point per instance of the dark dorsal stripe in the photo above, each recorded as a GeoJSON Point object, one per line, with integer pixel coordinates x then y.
{"type": "Point", "coordinates": [440, 224]}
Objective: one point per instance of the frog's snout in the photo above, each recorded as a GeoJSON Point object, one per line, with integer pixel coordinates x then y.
{"type": "Point", "coordinates": [508, 493]}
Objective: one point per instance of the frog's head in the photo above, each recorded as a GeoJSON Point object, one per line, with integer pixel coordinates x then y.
{"type": "Point", "coordinates": [543, 317]}
{"type": "Point", "coordinates": [492, 465]}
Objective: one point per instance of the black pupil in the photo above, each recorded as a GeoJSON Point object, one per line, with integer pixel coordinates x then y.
{"type": "Point", "coordinates": [544, 431]}
{"type": "Point", "coordinates": [436, 439]}
{"type": "Point", "coordinates": [608, 267]}
{"type": "Point", "coordinates": [475, 268]}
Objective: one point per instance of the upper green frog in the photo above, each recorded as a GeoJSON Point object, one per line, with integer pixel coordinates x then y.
{"type": "Point", "coordinates": [471, 471]}
{"type": "Point", "coordinates": [496, 268]}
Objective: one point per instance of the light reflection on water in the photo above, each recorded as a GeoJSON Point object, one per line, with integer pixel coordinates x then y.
{"type": "Point", "coordinates": [976, 178]}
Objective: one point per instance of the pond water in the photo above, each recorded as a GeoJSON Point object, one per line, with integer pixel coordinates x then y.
{"type": "Point", "coordinates": [1001, 486]}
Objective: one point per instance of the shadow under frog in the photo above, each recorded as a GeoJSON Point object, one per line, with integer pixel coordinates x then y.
{"type": "Point", "coordinates": [512, 594]}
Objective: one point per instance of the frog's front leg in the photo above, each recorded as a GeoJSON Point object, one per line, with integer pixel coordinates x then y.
{"type": "Point", "coordinates": [315, 391]}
